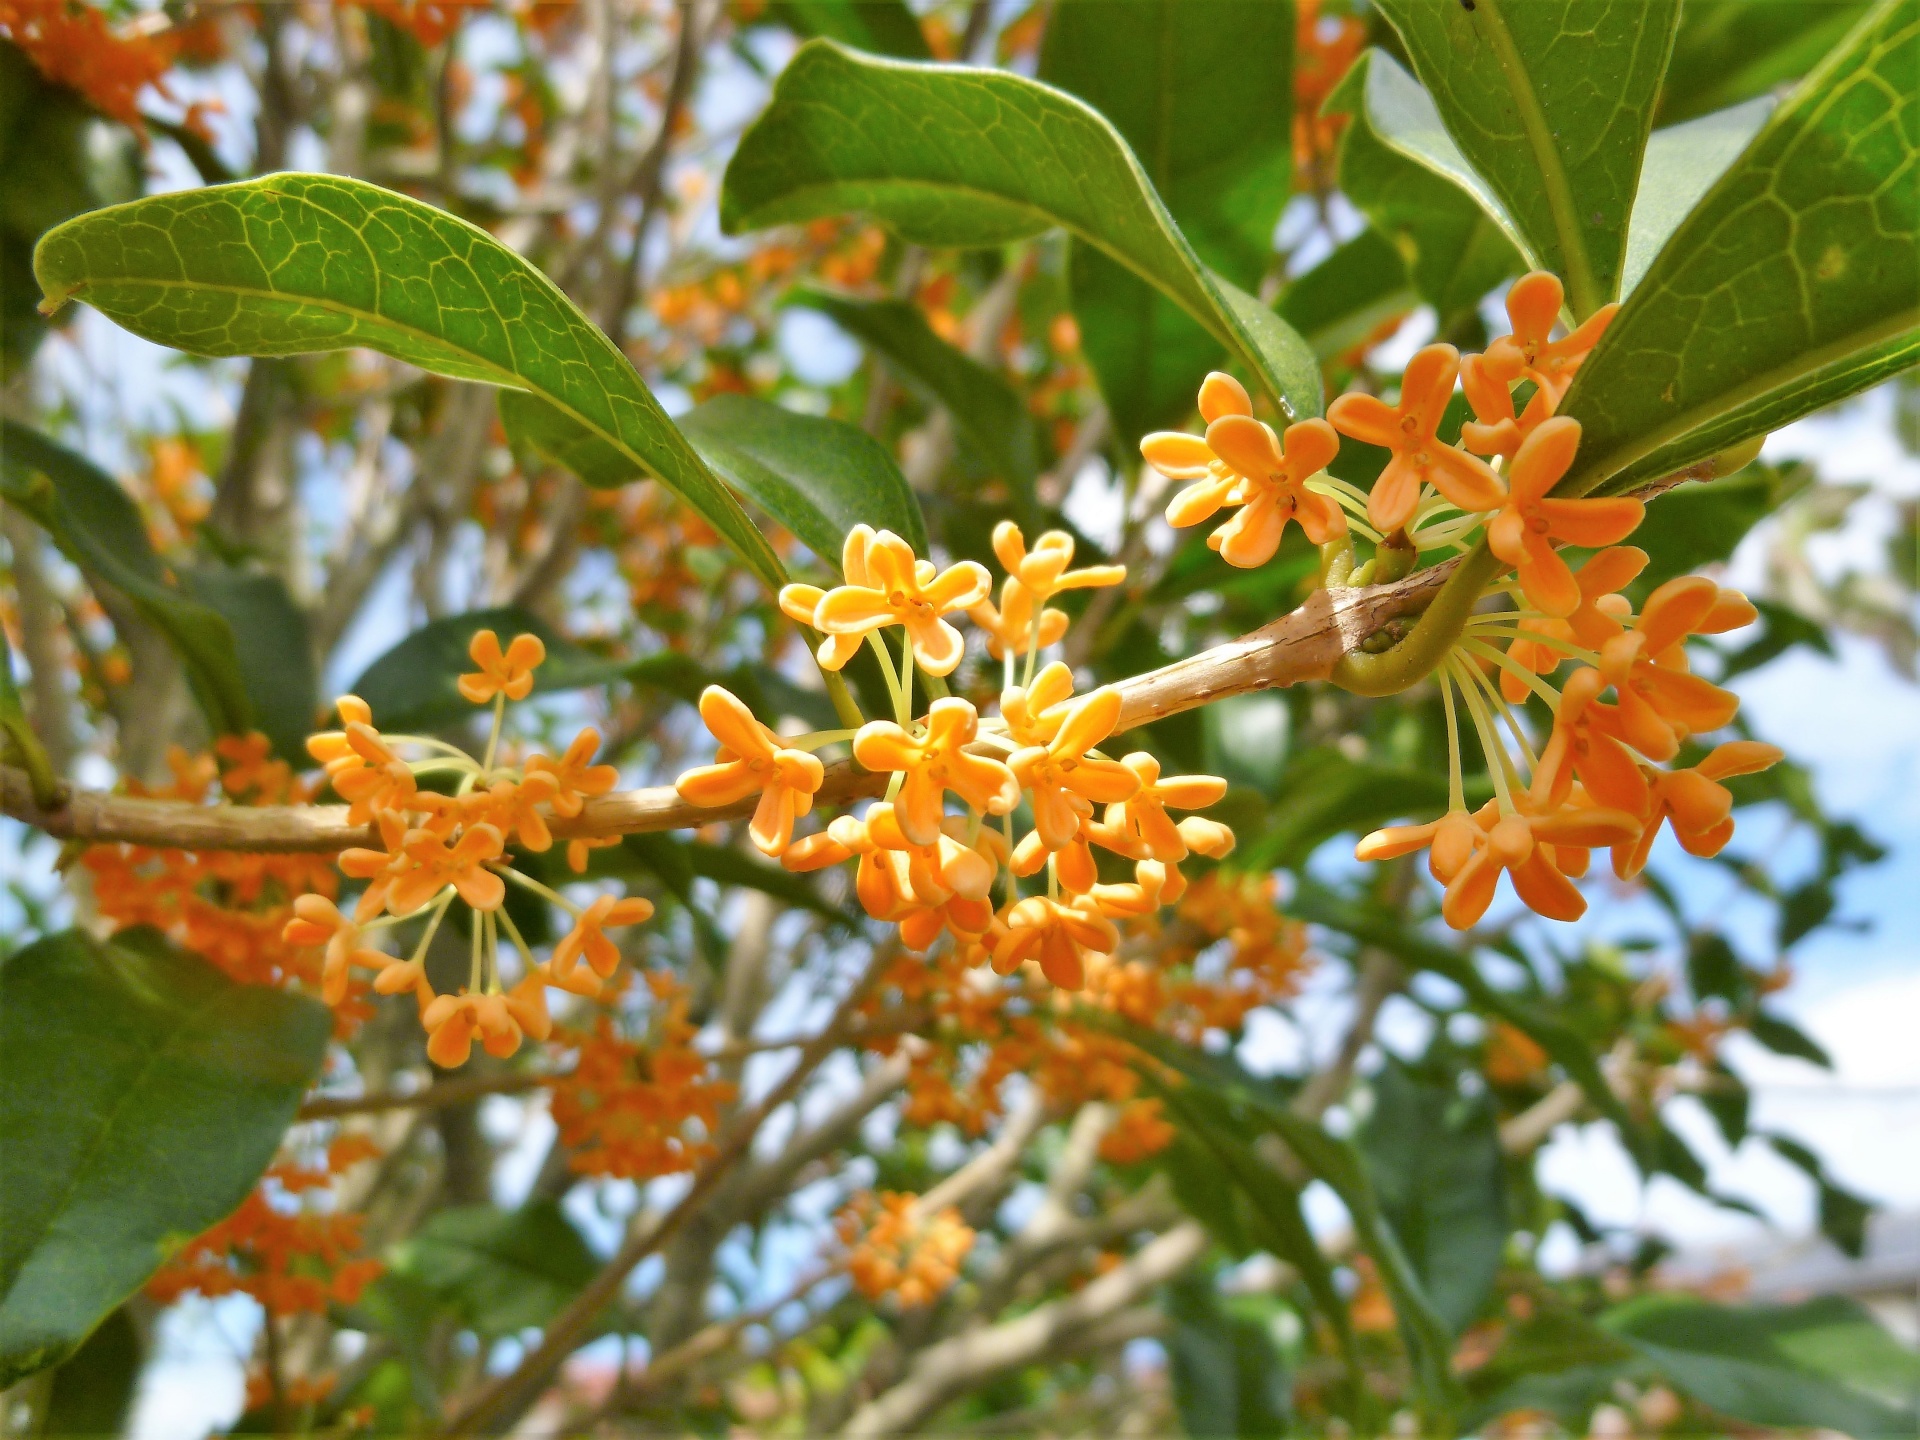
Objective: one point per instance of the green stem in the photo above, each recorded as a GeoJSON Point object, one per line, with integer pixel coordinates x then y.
{"type": "Point", "coordinates": [508, 872]}
{"type": "Point", "coordinates": [892, 679]}
{"type": "Point", "coordinates": [1433, 636]}
{"type": "Point", "coordinates": [842, 698]}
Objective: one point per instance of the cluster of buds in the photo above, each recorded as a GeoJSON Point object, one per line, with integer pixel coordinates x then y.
{"type": "Point", "coordinates": [935, 871]}
{"type": "Point", "coordinates": [449, 843]}
{"type": "Point", "coordinates": [895, 1248]}
{"type": "Point", "coordinates": [1594, 782]}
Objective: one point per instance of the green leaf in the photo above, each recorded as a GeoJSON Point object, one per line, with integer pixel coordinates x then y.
{"type": "Point", "coordinates": [1203, 96]}
{"type": "Point", "coordinates": [290, 264]}
{"type": "Point", "coordinates": [1794, 283]}
{"type": "Point", "coordinates": [1682, 162]}
{"type": "Point", "coordinates": [883, 27]}
{"type": "Point", "coordinates": [92, 1390]}
{"type": "Point", "coordinates": [1400, 170]}
{"type": "Point", "coordinates": [143, 1094]}
{"type": "Point", "coordinates": [817, 477]}
{"type": "Point", "coordinates": [1703, 522]}
{"type": "Point", "coordinates": [988, 412]}
{"type": "Point", "coordinates": [1824, 1364]}
{"type": "Point", "coordinates": [1323, 794]}
{"type": "Point", "coordinates": [1343, 300]}
{"type": "Point", "coordinates": [273, 648]}
{"type": "Point", "coordinates": [1728, 51]}
{"type": "Point", "coordinates": [1229, 1378]}
{"type": "Point", "coordinates": [18, 744]}
{"type": "Point", "coordinates": [413, 687]}
{"type": "Point", "coordinates": [849, 133]}
{"type": "Point", "coordinates": [1436, 1164]}
{"type": "Point", "coordinates": [501, 1271]}
{"type": "Point", "coordinates": [1843, 1214]}
{"type": "Point", "coordinates": [1783, 1037]}
{"type": "Point", "coordinates": [1557, 1360]}
{"type": "Point", "coordinates": [97, 526]}
{"type": "Point", "coordinates": [1551, 101]}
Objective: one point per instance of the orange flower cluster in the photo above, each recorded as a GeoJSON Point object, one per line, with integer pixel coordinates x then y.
{"type": "Point", "coordinates": [289, 1255]}
{"type": "Point", "coordinates": [1324, 48]}
{"type": "Point", "coordinates": [625, 1108]}
{"type": "Point", "coordinates": [74, 45]}
{"type": "Point", "coordinates": [651, 534]}
{"type": "Point", "coordinates": [227, 906]}
{"type": "Point", "coordinates": [440, 847]}
{"type": "Point", "coordinates": [895, 1249]}
{"type": "Point", "coordinates": [934, 873]}
{"type": "Point", "coordinates": [706, 307]}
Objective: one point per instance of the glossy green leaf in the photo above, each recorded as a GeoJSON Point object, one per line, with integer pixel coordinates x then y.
{"type": "Point", "coordinates": [883, 27]}
{"type": "Point", "coordinates": [987, 411]}
{"type": "Point", "coordinates": [1551, 101]}
{"type": "Point", "coordinates": [290, 264]}
{"type": "Point", "coordinates": [1794, 283]}
{"type": "Point", "coordinates": [1343, 300]}
{"type": "Point", "coordinates": [92, 1390]}
{"type": "Point", "coordinates": [273, 648]}
{"type": "Point", "coordinates": [1729, 51]}
{"type": "Point", "coordinates": [500, 1271]}
{"type": "Point", "coordinates": [143, 1094]}
{"type": "Point", "coordinates": [1434, 1155]}
{"type": "Point", "coordinates": [817, 477]}
{"type": "Point", "coordinates": [97, 526]}
{"type": "Point", "coordinates": [1823, 1364]}
{"type": "Point", "coordinates": [846, 132]}
{"type": "Point", "coordinates": [1451, 239]}
{"type": "Point", "coordinates": [414, 686]}
{"type": "Point", "coordinates": [1681, 164]}
{"type": "Point", "coordinates": [1203, 96]}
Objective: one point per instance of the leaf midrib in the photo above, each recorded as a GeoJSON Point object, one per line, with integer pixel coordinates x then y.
{"type": "Point", "coordinates": [1805, 362]}
{"type": "Point", "coordinates": [1582, 289]}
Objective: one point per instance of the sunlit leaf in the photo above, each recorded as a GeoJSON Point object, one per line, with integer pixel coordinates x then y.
{"type": "Point", "coordinates": [1682, 162]}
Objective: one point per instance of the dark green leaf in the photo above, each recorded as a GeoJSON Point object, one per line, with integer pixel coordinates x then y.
{"type": "Point", "coordinates": [143, 1094]}
{"type": "Point", "coordinates": [273, 647]}
{"type": "Point", "coordinates": [1780, 630]}
{"type": "Point", "coordinates": [1783, 1037]}
{"type": "Point", "coordinates": [1702, 522]}
{"type": "Point", "coordinates": [1794, 283]}
{"type": "Point", "coordinates": [18, 744]}
{"type": "Point", "coordinates": [1551, 101]}
{"type": "Point", "coordinates": [1435, 1159]}
{"type": "Point", "coordinates": [1203, 96]}
{"type": "Point", "coordinates": [1323, 794]}
{"type": "Point", "coordinates": [97, 526]}
{"type": "Point", "coordinates": [1843, 1214]}
{"type": "Point", "coordinates": [1728, 51]}
{"type": "Point", "coordinates": [1556, 1344]}
{"type": "Point", "coordinates": [1823, 1364]}
{"type": "Point", "coordinates": [1682, 162]}
{"type": "Point", "coordinates": [817, 477]}
{"type": "Point", "coordinates": [290, 264]}
{"type": "Point", "coordinates": [1343, 300]}
{"type": "Point", "coordinates": [501, 1271]}
{"type": "Point", "coordinates": [413, 687]}
{"type": "Point", "coordinates": [987, 411]}
{"type": "Point", "coordinates": [1396, 170]}
{"type": "Point", "coordinates": [92, 1390]}
{"type": "Point", "coordinates": [1228, 1376]}
{"type": "Point", "coordinates": [884, 27]}
{"type": "Point", "coordinates": [848, 133]}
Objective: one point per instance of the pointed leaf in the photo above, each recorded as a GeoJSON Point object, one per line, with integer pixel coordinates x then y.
{"type": "Point", "coordinates": [290, 264]}
{"type": "Point", "coordinates": [1793, 284]}
{"type": "Point", "coordinates": [1552, 101]}
{"type": "Point", "coordinates": [1730, 51]}
{"type": "Point", "coordinates": [1682, 162]}
{"type": "Point", "coordinates": [501, 1271]}
{"type": "Point", "coordinates": [846, 132]}
{"type": "Point", "coordinates": [884, 27]}
{"type": "Point", "coordinates": [143, 1094]}
{"type": "Point", "coordinates": [273, 648]}
{"type": "Point", "coordinates": [1345, 299]}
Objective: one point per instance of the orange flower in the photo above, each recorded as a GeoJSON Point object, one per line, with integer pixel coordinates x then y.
{"type": "Point", "coordinates": [1409, 431]}
{"type": "Point", "coordinates": [1042, 571]}
{"type": "Point", "coordinates": [1494, 430]}
{"type": "Point", "coordinates": [1065, 782]}
{"type": "Point", "coordinates": [602, 955]}
{"type": "Point", "coordinates": [1528, 520]}
{"type": "Point", "coordinates": [1533, 305]}
{"type": "Point", "coordinates": [1660, 703]}
{"type": "Point", "coordinates": [1598, 617]}
{"type": "Point", "coordinates": [1180, 456]}
{"type": "Point", "coordinates": [510, 673]}
{"type": "Point", "coordinates": [900, 590]}
{"type": "Point", "coordinates": [935, 764]}
{"type": "Point", "coordinates": [1009, 627]}
{"type": "Point", "coordinates": [451, 1022]}
{"type": "Point", "coordinates": [1586, 745]}
{"type": "Point", "coordinates": [463, 866]}
{"type": "Point", "coordinates": [751, 758]}
{"type": "Point", "coordinates": [1034, 713]}
{"type": "Point", "coordinates": [512, 808]}
{"type": "Point", "coordinates": [1059, 936]}
{"type": "Point", "coordinates": [895, 1250]}
{"type": "Point", "coordinates": [1698, 805]}
{"type": "Point", "coordinates": [1142, 817]}
{"type": "Point", "coordinates": [372, 779]}
{"type": "Point", "coordinates": [575, 777]}
{"type": "Point", "coordinates": [802, 602]}
{"type": "Point", "coordinates": [318, 921]}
